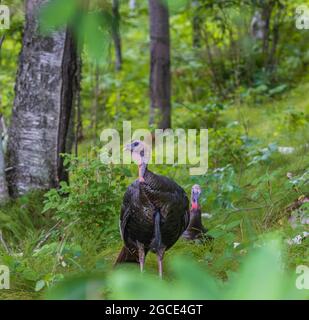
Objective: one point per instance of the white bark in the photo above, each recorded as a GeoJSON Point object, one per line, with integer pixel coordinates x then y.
{"type": "Point", "coordinates": [4, 195]}
{"type": "Point", "coordinates": [257, 26]}
{"type": "Point", "coordinates": [132, 5]}
{"type": "Point", "coordinates": [43, 103]}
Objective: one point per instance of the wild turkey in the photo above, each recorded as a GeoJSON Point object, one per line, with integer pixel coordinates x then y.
{"type": "Point", "coordinates": [154, 213]}
{"type": "Point", "coordinates": [195, 229]}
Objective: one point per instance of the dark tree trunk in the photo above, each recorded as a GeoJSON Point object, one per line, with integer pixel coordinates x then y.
{"type": "Point", "coordinates": [196, 24]}
{"type": "Point", "coordinates": [74, 134]}
{"type": "Point", "coordinates": [160, 76]}
{"type": "Point", "coordinates": [78, 107]}
{"type": "Point", "coordinates": [95, 103]}
{"type": "Point", "coordinates": [271, 66]}
{"type": "Point", "coordinates": [116, 35]}
{"type": "Point", "coordinates": [42, 108]}
{"type": "Point", "coordinates": [266, 16]}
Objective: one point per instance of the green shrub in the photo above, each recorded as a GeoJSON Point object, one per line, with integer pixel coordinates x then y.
{"type": "Point", "coordinates": [93, 196]}
{"type": "Point", "coordinates": [227, 145]}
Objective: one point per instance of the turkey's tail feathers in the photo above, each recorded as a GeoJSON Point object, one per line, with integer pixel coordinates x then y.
{"type": "Point", "coordinates": [126, 255]}
{"type": "Point", "coordinates": [156, 243]}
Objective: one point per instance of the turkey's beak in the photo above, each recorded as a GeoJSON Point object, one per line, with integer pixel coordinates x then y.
{"type": "Point", "coordinates": [128, 147]}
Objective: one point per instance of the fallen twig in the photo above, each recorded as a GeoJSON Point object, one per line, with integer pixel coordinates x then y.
{"type": "Point", "coordinates": [48, 234]}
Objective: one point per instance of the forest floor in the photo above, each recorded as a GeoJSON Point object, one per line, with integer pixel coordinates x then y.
{"type": "Point", "coordinates": [258, 209]}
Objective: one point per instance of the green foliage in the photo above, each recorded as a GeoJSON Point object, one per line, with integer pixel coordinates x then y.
{"type": "Point", "coordinates": [222, 188]}
{"type": "Point", "coordinates": [9, 56]}
{"type": "Point", "coordinates": [300, 181]}
{"type": "Point", "coordinates": [93, 195]}
{"type": "Point", "coordinates": [91, 24]}
{"type": "Point", "coordinates": [262, 154]}
{"type": "Point", "coordinates": [225, 85]}
{"type": "Point", "coordinates": [79, 288]}
{"type": "Point", "coordinates": [293, 119]}
{"type": "Point", "coordinates": [22, 218]}
{"type": "Point", "coordinates": [56, 14]}
{"type": "Point", "coordinates": [206, 115]}
{"type": "Point", "coordinates": [175, 6]}
{"type": "Point", "coordinates": [261, 276]}
{"type": "Point", "coordinates": [227, 145]}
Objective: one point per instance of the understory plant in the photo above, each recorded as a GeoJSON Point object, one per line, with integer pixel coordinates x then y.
{"type": "Point", "coordinates": [92, 196]}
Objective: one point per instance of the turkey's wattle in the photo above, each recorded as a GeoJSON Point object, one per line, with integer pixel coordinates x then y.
{"type": "Point", "coordinates": [194, 205]}
{"type": "Point", "coordinates": [154, 213]}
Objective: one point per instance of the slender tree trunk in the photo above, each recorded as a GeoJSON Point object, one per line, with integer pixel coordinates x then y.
{"type": "Point", "coordinates": [95, 105]}
{"type": "Point", "coordinates": [271, 65]}
{"type": "Point", "coordinates": [44, 95]}
{"type": "Point", "coordinates": [266, 16]}
{"type": "Point", "coordinates": [116, 35]}
{"type": "Point", "coordinates": [4, 195]}
{"type": "Point", "coordinates": [196, 24]}
{"type": "Point", "coordinates": [160, 74]}
{"type": "Point", "coordinates": [78, 106]}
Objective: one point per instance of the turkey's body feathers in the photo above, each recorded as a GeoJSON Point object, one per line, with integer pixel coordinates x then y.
{"type": "Point", "coordinates": [140, 204]}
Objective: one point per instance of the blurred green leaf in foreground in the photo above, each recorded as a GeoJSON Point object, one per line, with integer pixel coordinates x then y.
{"type": "Point", "coordinates": [90, 23]}
{"type": "Point", "coordinates": [261, 276]}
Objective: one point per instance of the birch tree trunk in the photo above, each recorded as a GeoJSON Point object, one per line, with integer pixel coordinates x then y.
{"type": "Point", "coordinates": [4, 195]}
{"type": "Point", "coordinates": [196, 24]}
{"type": "Point", "coordinates": [160, 76]}
{"type": "Point", "coordinates": [44, 94]}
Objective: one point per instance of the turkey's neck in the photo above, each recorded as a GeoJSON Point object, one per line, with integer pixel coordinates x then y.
{"type": "Point", "coordinates": [194, 204]}
{"type": "Point", "coordinates": [195, 219]}
{"type": "Point", "coordinates": [142, 168]}
{"type": "Point", "coordinates": [195, 214]}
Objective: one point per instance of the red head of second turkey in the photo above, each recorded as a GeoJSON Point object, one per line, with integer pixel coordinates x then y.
{"type": "Point", "coordinates": [195, 229]}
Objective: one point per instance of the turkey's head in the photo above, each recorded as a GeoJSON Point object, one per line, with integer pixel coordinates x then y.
{"type": "Point", "coordinates": [140, 155]}
{"type": "Point", "coordinates": [195, 194]}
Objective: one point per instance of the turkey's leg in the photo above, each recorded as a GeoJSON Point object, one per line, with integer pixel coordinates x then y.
{"type": "Point", "coordinates": [160, 255]}
{"type": "Point", "coordinates": [141, 255]}
{"type": "Point", "coordinates": [157, 245]}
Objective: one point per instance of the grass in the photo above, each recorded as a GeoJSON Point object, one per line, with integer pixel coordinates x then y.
{"type": "Point", "coordinates": [258, 209]}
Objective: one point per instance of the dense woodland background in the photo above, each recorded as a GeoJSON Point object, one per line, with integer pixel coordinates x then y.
{"type": "Point", "coordinates": [69, 69]}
